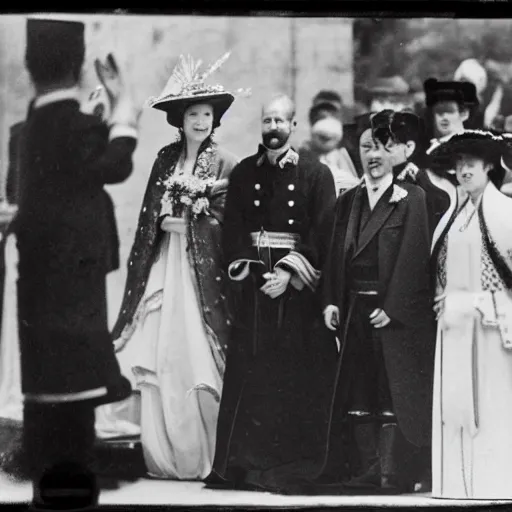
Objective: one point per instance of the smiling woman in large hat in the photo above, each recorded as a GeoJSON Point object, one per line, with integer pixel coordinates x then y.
{"type": "Point", "coordinates": [173, 321]}
{"type": "Point", "coordinates": [473, 374]}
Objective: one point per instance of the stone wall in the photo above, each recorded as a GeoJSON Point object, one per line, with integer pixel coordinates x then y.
{"type": "Point", "coordinates": [298, 56]}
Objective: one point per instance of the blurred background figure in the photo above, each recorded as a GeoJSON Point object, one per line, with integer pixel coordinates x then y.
{"type": "Point", "coordinates": [470, 70]}
{"type": "Point", "coordinates": [326, 139]}
{"type": "Point", "coordinates": [448, 107]}
{"type": "Point", "coordinates": [391, 92]}
{"type": "Point", "coordinates": [498, 100]}
{"type": "Point", "coordinates": [418, 97]}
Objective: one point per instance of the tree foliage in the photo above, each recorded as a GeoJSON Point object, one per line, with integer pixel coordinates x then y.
{"type": "Point", "coordinates": [424, 47]}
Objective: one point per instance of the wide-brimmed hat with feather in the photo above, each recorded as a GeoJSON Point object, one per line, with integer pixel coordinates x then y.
{"type": "Point", "coordinates": [187, 86]}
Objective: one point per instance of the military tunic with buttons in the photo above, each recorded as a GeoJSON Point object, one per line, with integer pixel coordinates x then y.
{"type": "Point", "coordinates": [274, 411]}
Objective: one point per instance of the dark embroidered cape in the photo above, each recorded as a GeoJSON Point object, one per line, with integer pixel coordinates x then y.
{"type": "Point", "coordinates": [203, 247]}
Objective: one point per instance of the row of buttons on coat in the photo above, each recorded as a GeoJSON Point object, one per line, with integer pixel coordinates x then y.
{"type": "Point", "coordinates": [291, 204]}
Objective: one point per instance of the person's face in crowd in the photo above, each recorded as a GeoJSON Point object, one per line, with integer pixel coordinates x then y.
{"type": "Point", "coordinates": [472, 174]}
{"type": "Point", "coordinates": [326, 135]}
{"type": "Point", "coordinates": [198, 122]}
{"type": "Point", "coordinates": [277, 124]}
{"type": "Point", "coordinates": [376, 159]}
{"type": "Point", "coordinates": [449, 118]}
{"type": "Point", "coordinates": [400, 151]}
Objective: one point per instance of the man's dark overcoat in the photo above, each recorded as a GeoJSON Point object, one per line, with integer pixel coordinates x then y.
{"type": "Point", "coordinates": [405, 295]}
{"type": "Point", "coordinates": [280, 367]}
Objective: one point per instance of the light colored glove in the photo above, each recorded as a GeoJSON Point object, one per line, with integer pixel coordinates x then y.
{"type": "Point", "coordinates": [332, 317]}
{"type": "Point", "coordinates": [111, 78]}
{"type": "Point", "coordinates": [124, 110]}
{"type": "Point", "coordinates": [277, 282]}
{"type": "Point", "coordinates": [379, 318]}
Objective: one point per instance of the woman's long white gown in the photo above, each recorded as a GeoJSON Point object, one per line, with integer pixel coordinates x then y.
{"type": "Point", "coordinates": [472, 415]}
{"type": "Point", "coordinates": [174, 369]}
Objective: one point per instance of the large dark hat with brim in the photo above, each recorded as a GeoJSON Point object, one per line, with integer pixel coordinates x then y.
{"type": "Point", "coordinates": [463, 93]}
{"type": "Point", "coordinates": [486, 145]}
{"type": "Point", "coordinates": [187, 87]}
{"type": "Point", "coordinates": [54, 46]}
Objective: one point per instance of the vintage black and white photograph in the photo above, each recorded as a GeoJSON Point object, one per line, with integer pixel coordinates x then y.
{"type": "Point", "coordinates": [255, 260]}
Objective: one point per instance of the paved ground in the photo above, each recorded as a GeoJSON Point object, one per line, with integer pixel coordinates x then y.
{"type": "Point", "coordinates": [164, 492]}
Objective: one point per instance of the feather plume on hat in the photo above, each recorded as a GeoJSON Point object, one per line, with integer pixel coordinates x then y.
{"type": "Point", "coordinates": [187, 86]}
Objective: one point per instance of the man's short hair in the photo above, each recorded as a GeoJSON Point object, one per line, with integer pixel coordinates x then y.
{"type": "Point", "coordinates": [282, 97]}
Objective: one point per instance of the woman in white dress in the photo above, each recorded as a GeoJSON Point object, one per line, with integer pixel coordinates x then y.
{"type": "Point", "coordinates": [174, 317]}
{"type": "Point", "coordinates": [472, 416]}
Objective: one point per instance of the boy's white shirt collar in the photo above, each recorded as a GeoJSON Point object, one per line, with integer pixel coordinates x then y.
{"type": "Point", "coordinates": [72, 93]}
{"type": "Point", "coordinates": [383, 185]}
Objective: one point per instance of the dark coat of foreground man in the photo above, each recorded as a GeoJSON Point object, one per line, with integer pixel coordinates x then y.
{"type": "Point", "coordinates": [380, 259]}
{"type": "Point", "coordinates": [275, 407]}
{"type": "Point", "coordinates": [67, 243]}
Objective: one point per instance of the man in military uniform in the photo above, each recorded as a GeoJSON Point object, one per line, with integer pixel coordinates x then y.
{"type": "Point", "coordinates": [67, 243]}
{"type": "Point", "coordinates": [275, 407]}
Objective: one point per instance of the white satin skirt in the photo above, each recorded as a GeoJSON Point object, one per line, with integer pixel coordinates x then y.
{"type": "Point", "coordinates": [174, 369]}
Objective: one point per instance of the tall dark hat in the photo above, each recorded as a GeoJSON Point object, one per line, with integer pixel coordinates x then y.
{"type": "Point", "coordinates": [54, 48]}
{"type": "Point", "coordinates": [464, 93]}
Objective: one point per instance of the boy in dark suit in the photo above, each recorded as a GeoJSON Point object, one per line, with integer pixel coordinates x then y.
{"type": "Point", "coordinates": [67, 242]}
{"type": "Point", "coordinates": [376, 294]}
